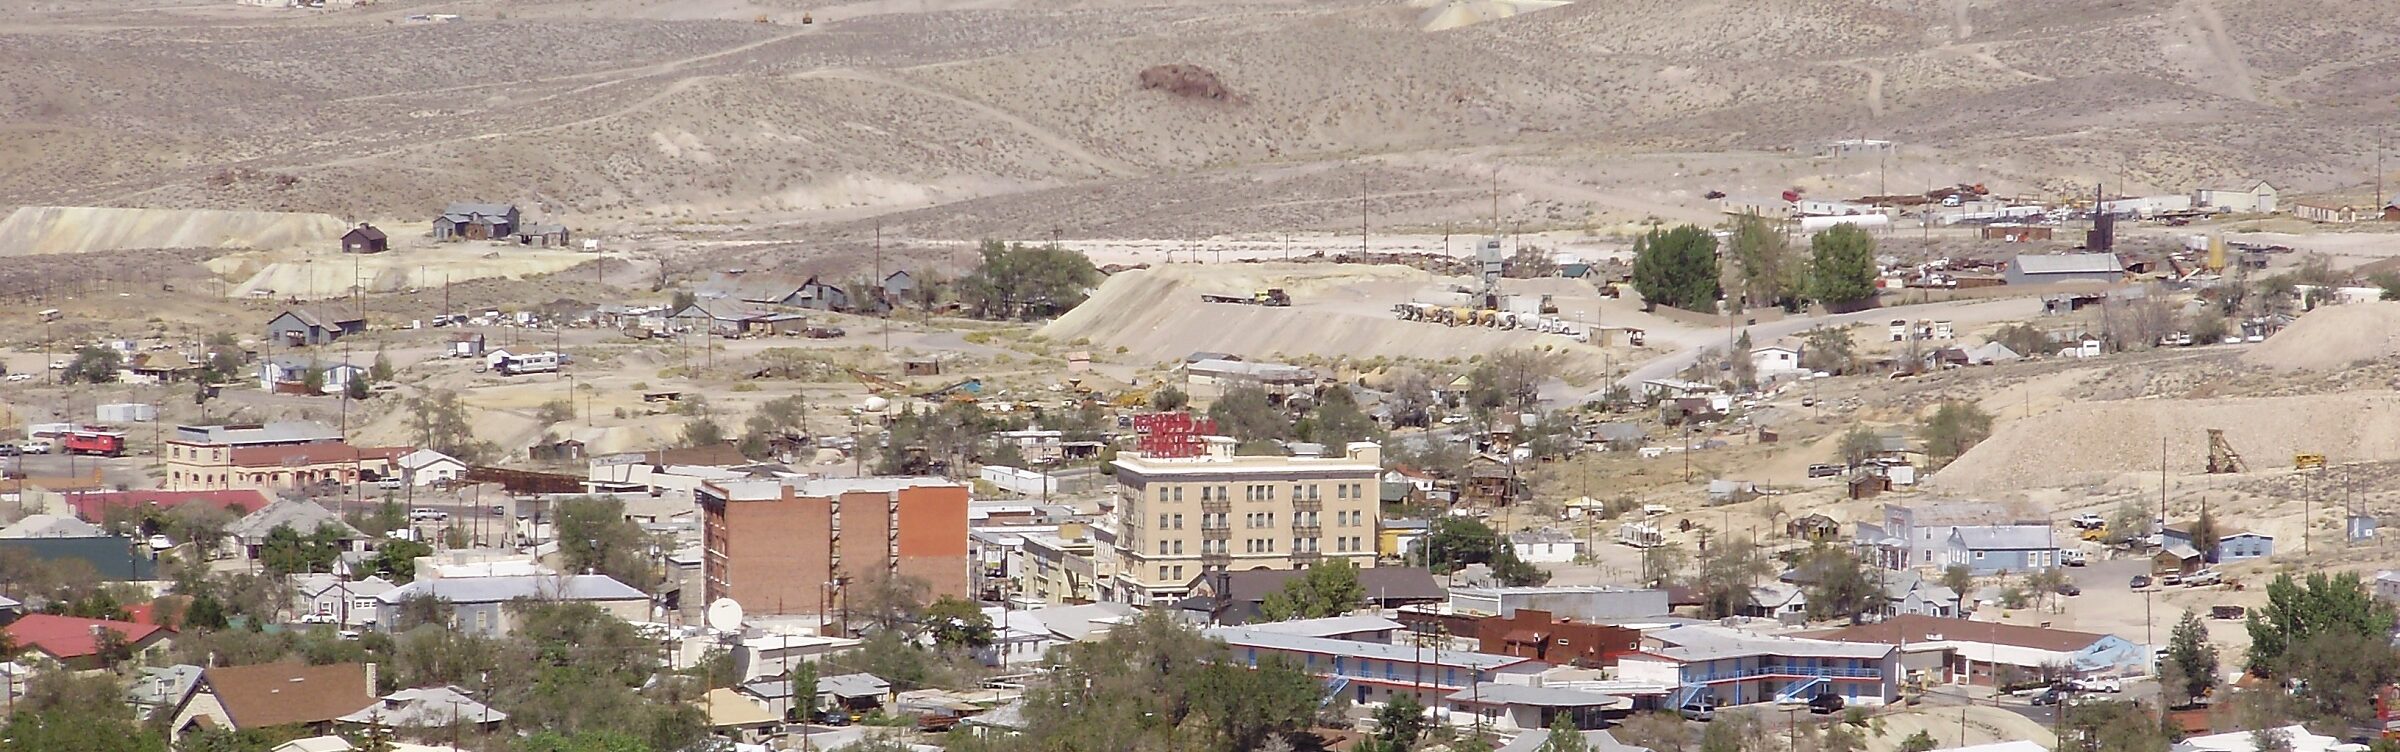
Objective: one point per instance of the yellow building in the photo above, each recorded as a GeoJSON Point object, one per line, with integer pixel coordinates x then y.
{"type": "Point", "coordinates": [1180, 517]}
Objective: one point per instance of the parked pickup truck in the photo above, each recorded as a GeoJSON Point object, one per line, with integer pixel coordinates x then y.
{"type": "Point", "coordinates": [2203, 578]}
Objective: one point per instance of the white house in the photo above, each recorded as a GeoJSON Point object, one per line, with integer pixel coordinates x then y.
{"type": "Point", "coordinates": [1545, 546]}
{"type": "Point", "coordinates": [1775, 359]}
{"type": "Point", "coordinates": [426, 467]}
{"type": "Point", "coordinates": [345, 602]}
{"type": "Point", "coordinates": [292, 370]}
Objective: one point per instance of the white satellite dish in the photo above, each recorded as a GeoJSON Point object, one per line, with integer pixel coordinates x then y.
{"type": "Point", "coordinates": [724, 615]}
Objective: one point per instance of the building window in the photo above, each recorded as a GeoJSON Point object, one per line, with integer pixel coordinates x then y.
{"type": "Point", "coordinates": [1162, 520]}
{"type": "Point", "coordinates": [1204, 493]}
{"type": "Point", "coordinates": [1223, 493]}
{"type": "Point", "coordinates": [1179, 548]}
{"type": "Point", "coordinates": [1179, 522]}
{"type": "Point", "coordinates": [1312, 492]}
{"type": "Point", "coordinates": [1179, 573]}
{"type": "Point", "coordinates": [1341, 491]}
{"type": "Point", "coordinates": [1178, 493]}
{"type": "Point", "coordinates": [1162, 493]}
{"type": "Point", "coordinates": [1162, 548]}
{"type": "Point", "coordinates": [1162, 573]}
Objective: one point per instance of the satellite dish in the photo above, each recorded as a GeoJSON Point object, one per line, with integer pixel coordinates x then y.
{"type": "Point", "coordinates": [724, 615]}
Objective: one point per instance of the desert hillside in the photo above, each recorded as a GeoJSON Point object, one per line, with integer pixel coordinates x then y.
{"type": "Point", "coordinates": [611, 111]}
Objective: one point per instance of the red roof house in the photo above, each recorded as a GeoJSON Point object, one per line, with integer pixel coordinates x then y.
{"type": "Point", "coordinates": [75, 641]}
{"type": "Point", "coordinates": [92, 507]}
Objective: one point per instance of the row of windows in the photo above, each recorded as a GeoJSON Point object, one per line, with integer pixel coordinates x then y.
{"type": "Point", "coordinates": [1264, 492]}
{"type": "Point", "coordinates": [1176, 576]}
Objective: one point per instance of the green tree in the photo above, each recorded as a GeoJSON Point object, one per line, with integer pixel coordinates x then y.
{"type": "Point", "coordinates": [1159, 684]}
{"type": "Point", "coordinates": [2112, 726]}
{"type": "Point", "coordinates": [358, 388]}
{"type": "Point", "coordinates": [557, 410]}
{"type": "Point", "coordinates": [1771, 273]}
{"type": "Point", "coordinates": [381, 371]}
{"type": "Point", "coordinates": [439, 422]}
{"type": "Point", "coordinates": [286, 551]}
{"type": "Point", "coordinates": [1842, 588]}
{"type": "Point", "coordinates": [594, 536]}
{"type": "Point", "coordinates": [1026, 282]}
{"type": "Point", "coordinates": [2339, 675]}
{"type": "Point", "coordinates": [2207, 534]}
{"type": "Point", "coordinates": [1730, 732]}
{"type": "Point", "coordinates": [1727, 574]}
{"type": "Point", "coordinates": [1829, 349]}
{"type": "Point", "coordinates": [224, 361]}
{"type": "Point", "coordinates": [1564, 737]}
{"type": "Point", "coordinates": [803, 681]}
{"type": "Point", "coordinates": [94, 364]}
{"type": "Point", "coordinates": [1327, 589]}
{"type": "Point", "coordinates": [312, 379]}
{"type": "Point", "coordinates": [1662, 565]}
{"type": "Point", "coordinates": [397, 558]}
{"type": "Point", "coordinates": [1954, 428]}
{"type": "Point", "coordinates": [1399, 723]}
{"type": "Point", "coordinates": [588, 741]}
{"type": "Point", "coordinates": [1169, 399]}
{"type": "Point", "coordinates": [1919, 742]}
{"type": "Point", "coordinates": [1858, 445]}
{"type": "Point", "coordinates": [1656, 730]}
{"type": "Point", "coordinates": [2195, 661]}
{"type": "Point", "coordinates": [775, 419]}
{"type": "Point", "coordinates": [205, 613]}
{"type": "Point", "coordinates": [702, 432]}
{"type": "Point", "coordinates": [65, 712]}
{"type": "Point", "coordinates": [1336, 420]}
{"type": "Point", "coordinates": [1247, 414]}
{"type": "Point", "coordinates": [2022, 339]}
{"type": "Point", "coordinates": [1454, 542]}
{"type": "Point", "coordinates": [1677, 268]}
{"type": "Point", "coordinates": [1843, 269]}
{"type": "Point", "coordinates": [956, 622]}
{"type": "Point", "coordinates": [2298, 610]}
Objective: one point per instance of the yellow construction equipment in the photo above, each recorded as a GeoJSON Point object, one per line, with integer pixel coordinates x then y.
{"type": "Point", "coordinates": [2308, 462]}
{"type": "Point", "coordinates": [2216, 254]}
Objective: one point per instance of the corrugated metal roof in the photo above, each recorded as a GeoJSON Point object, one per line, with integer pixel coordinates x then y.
{"type": "Point", "coordinates": [1702, 642]}
{"type": "Point", "coordinates": [581, 587]}
{"type": "Point", "coordinates": [1329, 626]}
{"type": "Point", "coordinates": [2070, 263]}
{"type": "Point", "coordinates": [2007, 537]}
{"type": "Point", "coordinates": [1494, 693]}
{"type": "Point", "coordinates": [1245, 637]}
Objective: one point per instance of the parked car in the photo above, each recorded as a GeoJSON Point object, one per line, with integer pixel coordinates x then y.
{"type": "Point", "coordinates": [2227, 612]}
{"type": "Point", "coordinates": [2203, 578]}
{"type": "Point", "coordinates": [2074, 557]}
{"type": "Point", "coordinates": [2096, 684]}
{"type": "Point", "coordinates": [1824, 471]}
{"type": "Point", "coordinates": [2170, 579]}
{"type": "Point", "coordinates": [422, 514]}
{"type": "Point", "coordinates": [2088, 521]}
{"type": "Point", "coordinates": [1701, 710]}
{"type": "Point", "coordinates": [34, 447]}
{"type": "Point", "coordinates": [317, 619]}
{"type": "Point", "coordinates": [389, 484]}
{"type": "Point", "coordinates": [1825, 704]}
{"type": "Point", "coordinates": [499, 511]}
{"type": "Point", "coordinates": [2050, 696]}
{"type": "Point", "coordinates": [2139, 581]}
{"type": "Point", "coordinates": [9, 450]}
{"type": "Point", "coordinates": [2069, 589]}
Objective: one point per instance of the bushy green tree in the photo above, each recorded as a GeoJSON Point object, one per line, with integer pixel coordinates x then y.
{"type": "Point", "coordinates": [1677, 268]}
{"type": "Point", "coordinates": [1399, 723]}
{"type": "Point", "coordinates": [1771, 274]}
{"type": "Point", "coordinates": [397, 559]}
{"type": "Point", "coordinates": [67, 712]}
{"type": "Point", "coordinates": [94, 364]}
{"type": "Point", "coordinates": [1159, 684]}
{"type": "Point", "coordinates": [1246, 413]}
{"type": "Point", "coordinates": [1169, 399]}
{"type": "Point", "coordinates": [956, 622]}
{"type": "Point", "coordinates": [1954, 428]}
{"type": "Point", "coordinates": [286, 551]}
{"type": "Point", "coordinates": [1017, 281]}
{"type": "Point", "coordinates": [1563, 736]}
{"type": "Point", "coordinates": [1327, 589]}
{"type": "Point", "coordinates": [1728, 571]}
{"type": "Point", "coordinates": [1829, 349]}
{"type": "Point", "coordinates": [2194, 658]}
{"type": "Point", "coordinates": [1842, 587]}
{"type": "Point", "coordinates": [1336, 420]}
{"type": "Point", "coordinates": [1843, 268]}
{"type": "Point", "coordinates": [2297, 610]}
{"type": "Point", "coordinates": [594, 536]}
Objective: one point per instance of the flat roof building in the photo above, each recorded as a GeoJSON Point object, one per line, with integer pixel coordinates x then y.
{"type": "Point", "coordinates": [1181, 517]}
{"type": "Point", "coordinates": [790, 546]}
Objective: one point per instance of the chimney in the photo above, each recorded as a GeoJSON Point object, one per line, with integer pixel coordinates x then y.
{"type": "Point", "coordinates": [372, 676]}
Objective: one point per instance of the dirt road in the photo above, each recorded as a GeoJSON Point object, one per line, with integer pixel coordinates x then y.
{"type": "Point", "coordinates": [1961, 312]}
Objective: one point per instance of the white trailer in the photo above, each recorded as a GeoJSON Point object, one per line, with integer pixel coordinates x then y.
{"type": "Point", "coordinates": [510, 364]}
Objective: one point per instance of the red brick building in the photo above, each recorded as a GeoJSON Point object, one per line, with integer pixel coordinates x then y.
{"type": "Point", "coordinates": [788, 547]}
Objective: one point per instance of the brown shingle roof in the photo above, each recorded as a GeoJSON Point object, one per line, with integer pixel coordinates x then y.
{"type": "Point", "coordinates": [1921, 628]}
{"type": "Point", "coordinates": [277, 694]}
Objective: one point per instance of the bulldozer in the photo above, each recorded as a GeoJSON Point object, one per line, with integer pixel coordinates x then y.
{"type": "Point", "coordinates": [2308, 462]}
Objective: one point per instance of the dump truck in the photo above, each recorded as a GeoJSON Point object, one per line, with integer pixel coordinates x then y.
{"type": "Point", "coordinates": [1272, 297]}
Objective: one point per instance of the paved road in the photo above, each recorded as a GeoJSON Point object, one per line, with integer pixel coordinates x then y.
{"type": "Point", "coordinates": [1962, 312]}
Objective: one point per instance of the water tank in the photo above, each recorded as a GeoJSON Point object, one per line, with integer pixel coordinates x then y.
{"type": "Point", "coordinates": [874, 404]}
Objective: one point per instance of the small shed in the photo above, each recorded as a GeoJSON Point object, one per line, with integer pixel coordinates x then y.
{"type": "Point", "coordinates": [2176, 559]}
{"type": "Point", "coordinates": [921, 367]}
{"type": "Point", "coordinates": [365, 239]}
{"type": "Point", "coordinates": [1814, 527]}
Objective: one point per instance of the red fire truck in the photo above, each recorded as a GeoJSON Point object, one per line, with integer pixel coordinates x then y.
{"type": "Point", "coordinates": [94, 441]}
